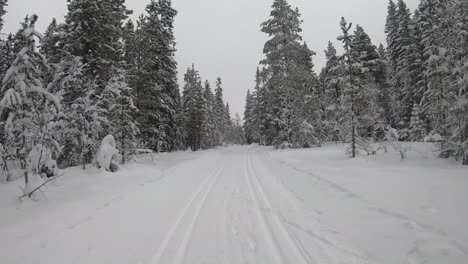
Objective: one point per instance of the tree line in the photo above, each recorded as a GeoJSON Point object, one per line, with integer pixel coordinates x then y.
{"type": "Point", "coordinates": [416, 85]}
{"type": "Point", "coordinates": [96, 74]}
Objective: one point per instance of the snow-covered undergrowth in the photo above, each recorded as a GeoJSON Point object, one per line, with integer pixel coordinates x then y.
{"type": "Point", "coordinates": [401, 211]}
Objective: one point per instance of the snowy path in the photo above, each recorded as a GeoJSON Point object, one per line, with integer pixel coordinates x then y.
{"type": "Point", "coordinates": [233, 205]}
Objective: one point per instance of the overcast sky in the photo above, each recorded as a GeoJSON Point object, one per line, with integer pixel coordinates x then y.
{"type": "Point", "coordinates": [223, 38]}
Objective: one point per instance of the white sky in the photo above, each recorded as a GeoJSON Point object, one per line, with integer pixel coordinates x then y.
{"type": "Point", "coordinates": [223, 38]}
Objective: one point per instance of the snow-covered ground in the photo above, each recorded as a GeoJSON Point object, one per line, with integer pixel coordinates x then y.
{"type": "Point", "coordinates": [246, 205]}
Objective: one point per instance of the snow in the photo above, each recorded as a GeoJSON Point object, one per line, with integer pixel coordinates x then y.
{"type": "Point", "coordinates": [247, 204]}
{"type": "Point", "coordinates": [106, 152]}
{"type": "Point", "coordinates": [434, 138]}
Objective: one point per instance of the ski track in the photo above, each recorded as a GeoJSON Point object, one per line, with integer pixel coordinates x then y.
{"type": "Point", "coordinates": [293, 244]}
{"type": "Point", "coordinates": [201, 194]}
{"type": "Point", "coordinates": [241, 207]}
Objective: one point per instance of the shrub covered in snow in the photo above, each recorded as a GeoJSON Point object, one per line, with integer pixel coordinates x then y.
{"type": "Point", "coordinates": [107, 153]}
{"type": "Point", "coordinates": [433, 138]}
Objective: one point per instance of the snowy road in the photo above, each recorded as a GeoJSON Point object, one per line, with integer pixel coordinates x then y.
{"type": "Point", "coordinates": [232, 205]}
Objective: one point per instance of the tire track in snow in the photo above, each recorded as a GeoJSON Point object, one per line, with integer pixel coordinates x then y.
{"type": "Point", "coordinates": [200, 195]}
{"type": "Point", "coordinates": [294, 245]}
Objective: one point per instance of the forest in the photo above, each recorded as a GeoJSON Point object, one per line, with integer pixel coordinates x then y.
{"type": "Point", "coordinates": [115, 149]}
{"type": "Point", "coordinates": [99, 73]}
{"type": "Point", "coordinates": [414, 88]}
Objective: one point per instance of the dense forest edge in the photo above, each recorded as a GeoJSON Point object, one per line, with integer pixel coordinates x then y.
{"type": "Point", "coordinates": [413, 89]}
{"type": "Point", "coordinates": [99, 87]}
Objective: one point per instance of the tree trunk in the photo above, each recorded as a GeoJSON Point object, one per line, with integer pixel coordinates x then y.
{"type": "Point", "coordinates": [465, 157]}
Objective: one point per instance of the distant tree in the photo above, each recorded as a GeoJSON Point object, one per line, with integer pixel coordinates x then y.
{"type": "Point", "coordinates": [209, 125]}
{"type": "Point", "coordinates": [193, 103]}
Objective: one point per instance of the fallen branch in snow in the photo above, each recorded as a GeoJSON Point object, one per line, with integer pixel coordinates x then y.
{"type": "Point", "coordinates": [38, 188]}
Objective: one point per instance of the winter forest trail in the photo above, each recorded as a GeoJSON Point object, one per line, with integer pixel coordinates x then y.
{"type": "Point", "coordinates": [230, 205]}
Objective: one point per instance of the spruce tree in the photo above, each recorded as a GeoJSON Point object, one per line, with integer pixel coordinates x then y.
{"type": "Point", "coordinates": [193, 104]}
{"type": "Point", "coordinates": [416, 129]}
{"type": "Point", "coordinates": [288, 65]}
{"type": "Point", "coordinates": [50, 45]}
{"type": "Point", "coordinates": [3, 4]}
{"type": "Point", "coordinates": [209, 126]}
{"type": "Point", "coordinates": [248, 119]}
{"type": "Point", "coordinates": [29, 106]}
{"type": "Point", "coordinates": [155, 76]}
{"type": "Point", "coordinates": [6, 54]}
{"type": "Point", "coordinates": [122, 110]}
{"type": "Point", "coordinates": [220, 112]}
{"type": "Point", "coordinates": [351, 87]}
{"type": "Point", "coordinates": [92, 31]}
{"type": "Point", "coordinates": [391, 28]}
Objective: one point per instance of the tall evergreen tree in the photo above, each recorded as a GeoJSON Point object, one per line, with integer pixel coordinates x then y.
{"type": "Point", "coordinates": [288, 67]}
{"type": "Point", "coordinates": [122, 111]}
{"type": "Point", "coordinates": [29, 106]}
{"type": "Point", "coordinates": [209, 125]}
{"type": "Point", "coordinates": [193, 104]}
{"type": "Point", "coordinates": [92, 31]}
{"type": "Point", "coordinates": [220, 112]}
{"type": "Point", "coordinates": [3, 4]}
{"type": "Point", "coordinates": [351, 87]}
{"type": "Point", "coordinates": [154, 76]}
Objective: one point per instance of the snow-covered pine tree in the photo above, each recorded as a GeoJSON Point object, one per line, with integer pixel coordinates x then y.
{"type": "Point", "coordinates": [165, 71]}
{"type": "Point", "coordinates": [145, 79]}
{"type": "Point", "coordinates": [28, 105]}
{"type": "Point", "coordinates": [19, 41]}
{"type": "Point", "coordinates": [6, 54]}
{"type": "Point", "coordinates": [436, 100]}
{"type": "Point", "coordinates": [460, 134]}
{"type": "Point", "coordinates": [289, 76]}
{"type": "Point", "coordinates": [219, 111]}
{"type": "Point", "coordinates": [253, 113]}
{"type": "Point", "coordinates": [391, 28]}
{"type": "Point", "coordinates": [193, 103]}
{"type": "Point", "coordinates": [122, 110]}
{"type": "Point", "coordinates": [50, 46]}
{"type": "Point", "coordinates": [402, 82]}
{"type": "Point", "coordinates": [154, 77]}
{"type": "Point", "coordinates": [384, 95]}
{"type": "Point", "coordinates": [416, 128]}
{"type": "Point", "coordinates": [93, 31]}
{"type": "Point", "coordinates": [328, 75]}
{"type": "Point", "coordinates": [367, 63]}
{"type": "Point", "coordinates": [351, 87]}
{"type": "Point", "coordinates": [227, 123]}
{"type": "Point", "coordinates": [256, 113]}
{"type": "Point", "coordinates": [331, 94]}
{"type": "Point", "coordinates": [209, 126]}
{"type": "Point", "coordinates": [3, 4]}
{"type": "Point", "coordinates": [248, 119]}
{"type": "Point", "coordinates": [68, 129]}
{"type": "Point", "coordinates": [138, 78]}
